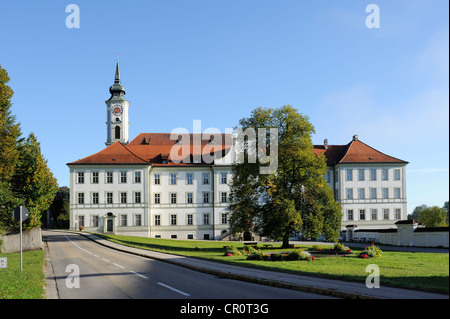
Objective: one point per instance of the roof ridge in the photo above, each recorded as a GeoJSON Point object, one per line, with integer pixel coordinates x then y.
{"type": "Point", "coordinates": [132, 153]}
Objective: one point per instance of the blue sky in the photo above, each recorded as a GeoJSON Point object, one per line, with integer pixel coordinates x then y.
{"type": "Point", "coordinates": [215, 61]}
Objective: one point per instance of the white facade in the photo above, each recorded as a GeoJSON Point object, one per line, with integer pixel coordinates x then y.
{"type": "Point", "coordinates": [372, 195]}
{"type": "Point", "coordinates": [161, 202]}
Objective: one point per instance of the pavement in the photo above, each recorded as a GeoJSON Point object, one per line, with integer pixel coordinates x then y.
{"type": "Point", "coordinates": [323, 286]}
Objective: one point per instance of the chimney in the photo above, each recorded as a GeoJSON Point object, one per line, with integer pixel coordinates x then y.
{"type": "Point", "coordinates": [355, 137]}
{"type": "Point", "coordinates": [325, 143]}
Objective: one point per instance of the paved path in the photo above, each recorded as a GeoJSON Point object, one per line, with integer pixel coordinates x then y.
{"type": "Point", "coordinates": [330, 287]}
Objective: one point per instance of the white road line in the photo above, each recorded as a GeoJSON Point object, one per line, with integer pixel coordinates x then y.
{"type": "Point", "coordinates": [171, 288]}
{"type": "Point", "coordinates": [139, 275]}
{"type": "Point", "coordinates": [95, 255]}
{"type": "Point", "coordinates": [106, 260]}
{"type": "Point", "coordinates": [77, 245]}
{"type": "Point", "coordinates": [118, 265]}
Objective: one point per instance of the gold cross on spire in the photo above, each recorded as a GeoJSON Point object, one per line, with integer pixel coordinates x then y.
{"type": "Point", "coordinates": [117, 56]}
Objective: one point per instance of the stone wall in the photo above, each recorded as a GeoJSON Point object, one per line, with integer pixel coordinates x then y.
{"type": "Point", "coordinates": [31, 240]}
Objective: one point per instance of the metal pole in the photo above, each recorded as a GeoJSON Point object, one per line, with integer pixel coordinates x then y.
{"type": "Point", "coordinates": [20, 210]}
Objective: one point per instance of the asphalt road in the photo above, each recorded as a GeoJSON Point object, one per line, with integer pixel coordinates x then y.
{"type": "Point", "coordinates": [86, 270]}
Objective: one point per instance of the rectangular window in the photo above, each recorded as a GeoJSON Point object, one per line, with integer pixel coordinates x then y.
{"type": "Point", "coordinates": [157, 198]}
{"type": "Point", "coordinates": [328, 176]}
{"type": "Point", "coordinates": [189, 198]}
{"type": "Point", "coordinates": [109, 198]}
{"type": "Point", "coordinates": [397, 174]}
{"type": "Point", "coordinates": [398, 213]}
{"type": "Point", "coordinates": [223, 197]}
{"type": "Point", "coordinates": [80, 178]}
{"type": "Point", "coordinates": [173, 198]}
{"type": "Point", "coordinates": [373, 193]}
{"type": "Point", "coordinates": [94, 198]}
{"type": "Point", "coordinates": [349, 193]}
{"type": "Point", "coordinates": [224, 218]}
{"type": "Point", "coordinates": [374, 214]}
{"type": "Point", "coordinates": [137, 197]}
{"type": "Point", "coordinates": [173, 179]}
{"type": "Point", "coordinates": [157, 220]}
{"type": "Point", "coordinates": [123, 177]}
{"type": "Point", "coordinates": [397, 193]}
{"type": "Point", "coordinates": [138, 220]}
{"type": "Point", "coordinates": [205, 178]}
{"type": "Point", "coordinates": [109, 177]}
{"type": "Point", "coordinates": [190, 236]}
{"type": "Point", "coordinates": [95, 221]}
{"type": "Point", "coordinates": [205, 219]}
{"type": "Point", "coordinates": [361, 174]}
{"type": "Point", "coordinates": [190, 220]}
{"type": "Point", "coordinates": [123, 220]}
{"type": "Point", "coordinates": [137, 177]}
{"type": "Point", "coordinates": [362, 214]}
{"type": "Point", "coordinates": [386, 213]}
{"type": "Point", "coordinates": [80, 221]}
{"type": "Point", "coordinates": [223, 178]}
{"type": "Point", "coordinates": [385, 193]}
{"type": "Point", "coordinates": [349, 175]}
{"type": "Point", "coordinates": [94, 177]}
{"type": "Point", "coordinates": [361, 193]}
{"type": "Point", "coordinates": [157, 179]}
{"type": "Point", "coordinates": [123, 198]}
{"type": "Point", "coordinates": [80, 198]}
{"type": "Point", "coordinates": [206, 197]}
{"type": "Point", "coordinates": [385, 174]}
{"type": "Point", "coordinates": [173, 220]}
{"type": "Point", "coordinates": [350, 214]}
{"type": "Point", "coordinates": [189, 179]}
{"type": "Point", "coordinates": [373, 174]}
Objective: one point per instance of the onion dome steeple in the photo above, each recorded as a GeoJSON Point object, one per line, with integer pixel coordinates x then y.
{"type": "Point", "coordinates": [117, 90]}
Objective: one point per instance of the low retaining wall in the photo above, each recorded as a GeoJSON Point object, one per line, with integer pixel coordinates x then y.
{"type": "Point", "coordinates": [406, 233]}
{"type": "Point", "coordinates": [31, 240]}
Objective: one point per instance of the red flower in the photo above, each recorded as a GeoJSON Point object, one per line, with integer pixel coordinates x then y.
{"type": "Point", "coordinates": [349, 251]}
{"type": "Point", "coordinates": [312, 258]}
{"type": "Point", "coordinates": [229, 254]}
{"type": "Point", "coordinates": [364, 256]}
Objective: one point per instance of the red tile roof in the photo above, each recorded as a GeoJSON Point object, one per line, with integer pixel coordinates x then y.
{"type": "Point", "coordinates": [153, 148]}
{"type": "Point", "coordinates": [354, 152]}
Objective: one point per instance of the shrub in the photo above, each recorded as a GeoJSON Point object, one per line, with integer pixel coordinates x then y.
{"type": "Point", "coordinates": [81, 228]}
{"type": "Point", "coordinates": [340, 247]}
{"type": "Point", "coordinates": [255, 255]}
{"type": "Point", "coordinates": [276, 257]}
{"type": "Point", "coordinates": [305, 256]}
{"type": "Point", "coordinates": [378, 252]}
{"type": "Point", "coordinates": [232, 251]}
{"type": "Point", "coordinates": [367, 253]}
{"type": "Point", "coordinates": [293, 255]}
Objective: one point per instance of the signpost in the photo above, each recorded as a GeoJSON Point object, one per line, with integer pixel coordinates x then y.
{"type": "Point", "coordinates": [21, 213]}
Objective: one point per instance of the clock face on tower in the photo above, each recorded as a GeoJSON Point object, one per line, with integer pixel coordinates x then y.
{"type": "Point", "coordinates": [117, 110]}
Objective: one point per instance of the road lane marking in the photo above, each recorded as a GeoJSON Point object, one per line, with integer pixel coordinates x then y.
{"type": "Point", "coordinates": [140, 275]}
{"type": "Point", "coordinates": [106, 260]}
{"type": "Point", "coordinates": [118, 265]}
{"type": "Point", "coordinates": [173, 289]}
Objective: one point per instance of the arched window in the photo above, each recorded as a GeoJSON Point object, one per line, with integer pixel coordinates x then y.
{"type": "Point", "coordinates": [117, 132]}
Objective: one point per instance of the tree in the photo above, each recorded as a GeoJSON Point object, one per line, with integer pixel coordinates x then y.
{"type": "Point", "coordinates": [416, 212]}
{"type": "Point", "coordinates": [33, 181]}
{"type": "Point", "coordinates": [433, 216]}
{"type": "Point", "coordinates": [25, 178]}
{"type": "Point", "coordinates": [9, 153]}
{"type": "Point", "coordinates": [296, 197]}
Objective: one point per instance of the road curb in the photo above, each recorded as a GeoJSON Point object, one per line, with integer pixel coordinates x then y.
{"type": "Point", "coordinates": [310, 289]}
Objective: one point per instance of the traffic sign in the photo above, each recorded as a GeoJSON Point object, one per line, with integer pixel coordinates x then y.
{"type": "Point", "coordinates": [24, 211]}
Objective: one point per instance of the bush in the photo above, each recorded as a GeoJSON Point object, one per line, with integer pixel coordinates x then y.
{"type": "Point", "coordinates": [372, 248]}
{"type": "Point", "coordinates": [367, 253]}
{"type": "Point", "coordinates": [276, 257]}
{"type": "Point", "coordinates": [293, 255]}
{"type": "Point", "coordinates": [306, 256]}
{"type": "Point", "coordinates": [340, 247]}
{"type": "Point", "coordinates": [255, 255]}
{"type": "Point", "coordinates": [232, 251]}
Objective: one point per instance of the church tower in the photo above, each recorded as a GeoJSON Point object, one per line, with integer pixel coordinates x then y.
{"type": "Point", "coordinates": [117, 113]}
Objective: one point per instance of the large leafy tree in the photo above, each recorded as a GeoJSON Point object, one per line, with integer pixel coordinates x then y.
{"type": "Point", "coordinates": [24, 176]}
{"type": "Point", "coordinates": [295, 197]}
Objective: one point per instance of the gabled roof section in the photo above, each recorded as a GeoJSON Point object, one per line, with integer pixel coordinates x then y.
{"type": "Point", "coordinates": [359, 152]}
{"type": "Point", "coordinates": [114, 154]}
{"type": "Point", "coordinates": [355, 152]}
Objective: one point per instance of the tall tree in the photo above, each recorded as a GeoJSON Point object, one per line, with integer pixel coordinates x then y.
{"type": "Point", "coordinates": [33, 181]}
{"type": "Point", "coordinates": [24, 176]}
{"type": "Point", "coordinates": [296, 197]}
{"type": "Point", "coordinates": [9, 153]}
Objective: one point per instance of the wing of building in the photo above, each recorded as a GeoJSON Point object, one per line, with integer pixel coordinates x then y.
{"type": "Point", "coordinates": [145, 188]}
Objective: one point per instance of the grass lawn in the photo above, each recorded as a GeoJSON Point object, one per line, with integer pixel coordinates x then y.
{"type": "Point", "coordinates": [404, 269]}
{"type": "Point", "coordinates": [25, 284]}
